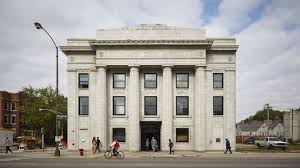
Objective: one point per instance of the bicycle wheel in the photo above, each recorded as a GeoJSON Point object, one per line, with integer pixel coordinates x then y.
{"type": "Point", "coordinates": [120, 155]}
{"type": "Point", "coordinates": [108, 155]}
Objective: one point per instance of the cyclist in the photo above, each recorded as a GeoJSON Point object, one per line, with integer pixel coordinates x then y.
{"type": "Point", "coordinates": [115, 145]}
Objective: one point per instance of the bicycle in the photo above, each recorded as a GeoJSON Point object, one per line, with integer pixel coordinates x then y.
{"type": "Point", "coordinates": [109, 153]}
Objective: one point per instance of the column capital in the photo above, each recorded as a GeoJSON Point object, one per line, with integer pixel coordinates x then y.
{"type": "Point", "coordinates": [167, 66]}
{"type": "Point", "coordinates": [100, 66]}
{"type": "Point", "coordinates": [200, 67]}
{"type": "Point", "coordinates": [134, 66]}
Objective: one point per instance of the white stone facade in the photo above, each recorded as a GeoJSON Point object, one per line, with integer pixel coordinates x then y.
{"type": "Point", "coordinates": [166, 51]}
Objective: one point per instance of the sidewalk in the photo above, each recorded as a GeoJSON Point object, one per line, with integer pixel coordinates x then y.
{"type": "Point", "coordinates": [179, 154]}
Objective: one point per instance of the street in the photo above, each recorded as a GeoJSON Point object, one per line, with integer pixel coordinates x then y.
{"type": "Point", "coordinates": [151, 162]}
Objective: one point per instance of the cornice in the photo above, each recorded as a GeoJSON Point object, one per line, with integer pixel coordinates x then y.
{"type": "Point", "coordinates": [150, 42]}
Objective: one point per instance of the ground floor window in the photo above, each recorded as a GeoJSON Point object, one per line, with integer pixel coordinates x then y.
{"type": "Point", "coordinates": [119, 134]}
{"type": "Point", "coordinates": [182, 135]}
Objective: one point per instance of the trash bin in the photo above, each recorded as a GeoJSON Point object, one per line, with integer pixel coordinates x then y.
{"type": "Point", "coordinates": [81, 152]}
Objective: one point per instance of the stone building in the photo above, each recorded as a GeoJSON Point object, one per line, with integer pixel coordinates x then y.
{"type": "Point", "coordinates": [10, 111]}
{"type": "Point", "coordinates": [152, 81]}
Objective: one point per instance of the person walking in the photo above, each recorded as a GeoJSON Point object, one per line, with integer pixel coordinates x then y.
{"type": "Point", "coordinates": [7, 145]}
{"type": "Point", "coordinates": [98, 145]}
{"type": "Point", "coordinates": [153, 144]}
{"type": "Point", "coordinates": [228, 147]}
{"type": "Point", "coordinates": [94, 145]}
{"type": "Point", "coordinates": [147, 143]}
{"type": "Point", "coordinates": [171, 145]}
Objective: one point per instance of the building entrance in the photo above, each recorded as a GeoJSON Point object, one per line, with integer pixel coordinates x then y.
{"type": "Point", "coordinates": [150, 129]}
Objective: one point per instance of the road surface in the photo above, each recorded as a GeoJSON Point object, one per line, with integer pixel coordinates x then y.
{"type": "Point", "coordinates": [148, 163]}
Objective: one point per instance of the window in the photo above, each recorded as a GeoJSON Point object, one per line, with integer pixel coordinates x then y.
{"type": "Point", "coordinates": [150, 81]}
{"type": "Point", "coordinates": [6, 105]}
{"type": "Point", "coordinates": [119, 105]}
{"type": "Point", "coordinates": [13, 120]}
{"type": "Point", "coordinates": [182, 80]}
{"type": "Point", "coordinates": [150, 105]}
{"type": "Point", "coordinates": [119, 80]}
{"type": "Point", "coordinates": [218, 80]}
{"type": "Point", "coordinates": [83, 80]}
{"type": "Point", "coordinates": [182, 135]}
{"type": "Point", "coordinates": [6, 119]}
{"type": "Point", "coordinates": [119, 134]}
{"type": "Point", "coordinates": [182, 105]}
{"type": "Point", "coordinates": [218, 105]}
{"type": "Point", "coordinates": [13, 106]}
{"type": "Point", "coordinates": [83, 105]}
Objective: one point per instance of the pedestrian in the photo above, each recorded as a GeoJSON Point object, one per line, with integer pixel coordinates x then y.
{"type": "Point", "coordinates": [171, 145]}
{"type": "Point", "coordinates": [7, 145]}
{"type": "Point", "coordinates": [228, 147]}
{"type": "Point", "coordinates": [153, 144]}
{"type": "Point", "coordinates": [147, 144]}
{"type": "Point", "coordinates": [98, 145]}
{"type": "Point", "coordinates": [94, 145]}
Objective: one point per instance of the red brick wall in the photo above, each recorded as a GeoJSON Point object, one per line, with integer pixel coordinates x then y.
{"type": "Point", "coordinates": [10, 98]}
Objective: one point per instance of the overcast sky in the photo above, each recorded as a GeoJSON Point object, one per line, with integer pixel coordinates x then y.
{"type": "Point", "coordinates": [268, 32]}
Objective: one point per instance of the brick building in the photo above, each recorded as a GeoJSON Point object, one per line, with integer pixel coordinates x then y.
{"type": "Point", "coordinates": [10, 111]}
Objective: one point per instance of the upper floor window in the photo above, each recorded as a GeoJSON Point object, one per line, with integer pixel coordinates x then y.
{"type": "Point", "coordinates": [119, 105]}
{"type": "Point", "coordinates": [6, 119]}
{"type": "Point", "coordinates": [83, 105]}
{"type": "Point", "coordinates": [218, 80]}
{"type": "Point", "coordinates": [150, 105]}
{"type": "Point", "coordinates": [119, 80]}
{"type": "Point", "coordinates": [182, 135]}
{"type": "Point", "coordinates": [83, 80]}
{"type": "Point", "coordinates": [151, 80]}
{"type": "Point", "coordinates": [182, 80]}
{"type": "Point", "coordinates": [13, 120]}
{"type": "Point", "coordinates": [119, 134]}
{"type": "Point", "coordinates": [182, 105]}
{"type": "Point", "coordinates": [218, 105]}
{"type": "Point", "coordinates": [13, 106]}
{"type": "Point", "coordinates": [6, 105]}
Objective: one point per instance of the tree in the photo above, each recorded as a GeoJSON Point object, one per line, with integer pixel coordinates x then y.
{"type": "Point", "coordinates": [261, 115]}
{"type": "Point", "coordinates": [30, 116]}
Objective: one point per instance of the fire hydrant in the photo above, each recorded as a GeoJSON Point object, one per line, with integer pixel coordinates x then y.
{"type": "Point", "coordinates": [81, 152]}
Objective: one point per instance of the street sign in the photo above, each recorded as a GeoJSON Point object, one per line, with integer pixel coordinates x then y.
{"type": "Point", "coordinates": [61, 116]}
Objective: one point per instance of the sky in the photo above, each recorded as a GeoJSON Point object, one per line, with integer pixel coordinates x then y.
{"type": "Point", "coordinates": [268, 32]}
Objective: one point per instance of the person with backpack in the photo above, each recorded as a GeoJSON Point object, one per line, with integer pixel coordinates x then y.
{"type": "Point", "coordinates": [115, 145]}
{"type": "Point", "coordinates": [171, 145]}
{"type": "Point", "coordinates": [228, 147]}
{"type": "Point", "coordinates": [98, 145]}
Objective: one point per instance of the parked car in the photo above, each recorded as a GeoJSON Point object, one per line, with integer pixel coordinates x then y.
{"type": "Point", "coordinates": [271, 142]}
{"type": "Point", "coordinates": [249, 141]}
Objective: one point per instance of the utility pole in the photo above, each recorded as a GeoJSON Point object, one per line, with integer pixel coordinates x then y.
{"type": "Point", "coordinates": [268, 118]}
{"type": "Point", "coordinates": [292, 124]}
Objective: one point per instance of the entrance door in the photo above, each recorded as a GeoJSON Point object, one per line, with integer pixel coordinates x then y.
{"type": "Point", "coordinates": [150, 129]}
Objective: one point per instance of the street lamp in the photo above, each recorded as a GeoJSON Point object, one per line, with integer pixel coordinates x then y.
{"type": "Point", "coordinates": [39, 26]}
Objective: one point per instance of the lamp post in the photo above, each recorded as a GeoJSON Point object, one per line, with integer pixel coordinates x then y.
{"type": "Point", "coordinates": [39, 26]}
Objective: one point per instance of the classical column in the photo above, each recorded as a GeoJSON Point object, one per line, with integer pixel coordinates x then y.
{"type": "Point", "coordinates": [167, 108]}
{"type": "Point", "coordinates": [92, 105]}
{"type": "Point", "coordinates": [101, 106]}
{"type": "Point", "coordinates": [133, 109]}
{"type": "Point", "coordinates": [199, 117]}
